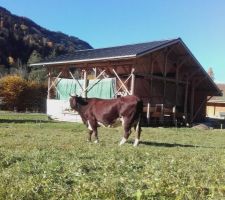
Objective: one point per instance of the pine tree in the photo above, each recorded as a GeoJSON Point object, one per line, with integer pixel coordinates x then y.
{"type": "Point", "coordinates": [34, 57]}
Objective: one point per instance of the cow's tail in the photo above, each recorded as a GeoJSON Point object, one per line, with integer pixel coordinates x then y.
{"type": "Point", "coordinates": [138, 124]}
{"type": "Point", "coordinates": [139, 115]}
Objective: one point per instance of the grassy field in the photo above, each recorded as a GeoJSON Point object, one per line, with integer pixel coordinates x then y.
{"type": "Point", "coordinates": [41, 159]}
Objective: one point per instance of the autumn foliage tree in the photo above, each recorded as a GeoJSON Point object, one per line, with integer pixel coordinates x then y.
{"type": "Point", "coordinates": [11, 89]}
{"type": "Point", "coordinates": [18, 93]}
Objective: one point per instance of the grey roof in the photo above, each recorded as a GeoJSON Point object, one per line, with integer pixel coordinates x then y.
{"type": "Point", "coordinates": [220, 99]}
{"type": "Point", "coordinates": [131, 50]}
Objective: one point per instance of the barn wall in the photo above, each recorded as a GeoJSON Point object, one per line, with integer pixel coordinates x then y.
{"type": "Point", "coordinates": [160, 91]}
{"type": "Point", "coordinates": [156, 61]}
{"type": "Point", "coordinates": [142, 89]}
{"type": "Point", "coordinates": [154, 64]}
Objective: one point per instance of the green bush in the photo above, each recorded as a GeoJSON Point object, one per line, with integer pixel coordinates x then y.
{"type": "Point", "coordinates": [22, 95]}
{"type": "Point", "coordinates": [34, 97]}
{"type": "Point", "coordinates": [38, 75]}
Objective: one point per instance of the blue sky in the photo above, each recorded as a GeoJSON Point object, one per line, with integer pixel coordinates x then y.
{"type": "Point", "coordinates": [103, 23]}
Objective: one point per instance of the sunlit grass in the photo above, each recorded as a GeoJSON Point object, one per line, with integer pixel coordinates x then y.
{"type": "Point", "coordinates": [41, 159]}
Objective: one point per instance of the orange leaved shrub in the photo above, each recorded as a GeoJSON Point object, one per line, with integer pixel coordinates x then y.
{"type": "Point", "coordinates": [22, 95]}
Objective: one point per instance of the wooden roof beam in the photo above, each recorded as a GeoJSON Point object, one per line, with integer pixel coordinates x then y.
{"type": "Point", "coordinates": [160, 78]}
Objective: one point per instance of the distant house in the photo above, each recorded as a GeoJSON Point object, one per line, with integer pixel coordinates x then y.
{"type": "Point", "coordinates": [216, 105]}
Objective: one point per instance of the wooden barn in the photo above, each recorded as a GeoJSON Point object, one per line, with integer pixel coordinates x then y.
{"type": "Point", "coordinates": [165, 74]}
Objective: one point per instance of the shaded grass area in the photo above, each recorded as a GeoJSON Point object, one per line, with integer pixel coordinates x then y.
{"type": "Point", "coordinates": [41, 159]}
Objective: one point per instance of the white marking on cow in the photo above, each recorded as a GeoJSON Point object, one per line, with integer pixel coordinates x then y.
{"type": "Point", "coordinates": [101, 124]}
{"type": "Point", "coordinates": [122, 120]}
{"type": "Point", "coordinates": [122, 141]}
{"type": "Point", "coordinates": [89, 126]}
{"type": "Point", "coordinates": [136, 142]}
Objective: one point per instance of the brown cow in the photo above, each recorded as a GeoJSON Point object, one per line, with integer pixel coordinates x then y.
{"type": "Point", "coordinates": [94, 111]}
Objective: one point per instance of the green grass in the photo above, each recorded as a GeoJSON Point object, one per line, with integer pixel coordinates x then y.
{"type": "Point", "coordinates": [41, 159]}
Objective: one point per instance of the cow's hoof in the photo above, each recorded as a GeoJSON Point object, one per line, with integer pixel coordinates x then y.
{"type": "Point", "coordinates": [122, 141]}
{"type": "Point", "coordinates": [96, 141]}
{"type": "Point", "coordinates": [136, 142]}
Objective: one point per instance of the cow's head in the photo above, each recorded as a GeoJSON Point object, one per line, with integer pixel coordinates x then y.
{"type": "Point", "coordinates": [73, 102]}
{"type": "Point", "coordinates": [76, 102]}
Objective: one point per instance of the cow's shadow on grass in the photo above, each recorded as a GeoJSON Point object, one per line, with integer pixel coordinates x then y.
{"type": "Point", "coordinates": [160, 144]}
{"type": "Point", "coordinates": [23, 121]}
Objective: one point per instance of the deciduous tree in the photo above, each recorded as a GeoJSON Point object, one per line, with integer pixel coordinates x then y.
{"type": "Point", "coordinates": [211, 73]}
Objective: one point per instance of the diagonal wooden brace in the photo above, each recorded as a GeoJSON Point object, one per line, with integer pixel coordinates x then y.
{"type": "Point", "coordinates": [123, 85]}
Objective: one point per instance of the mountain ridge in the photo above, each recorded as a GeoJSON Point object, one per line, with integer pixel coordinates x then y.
{"type": "Point", "coordinates": [22, 41]}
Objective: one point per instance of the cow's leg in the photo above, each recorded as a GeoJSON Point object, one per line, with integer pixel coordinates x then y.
{"type": "Point", "coordinates": [138, 132]}
{"type": "Point", "coordinates": [90, 131]}
{"type": "Point", "coordinates": [127, 131]}
{"type": "Point", "coordinates": [89, 135]}
{"type": "Point", "coordinates": [93, 126]}
{"type": "Point", "coordinates": [96, 136]}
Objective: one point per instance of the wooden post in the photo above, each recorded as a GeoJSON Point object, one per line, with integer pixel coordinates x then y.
{"type": "Point", "coordinates": [164, 76]}
{"type": "Point", "coordinates": [185, 101]}
{"type": "Point", "coordinates": [95, 72]}
{"type": "Point", "coordinates": [148, 113]}
{"type": "Point", "coordinates": [192, 102]}
{"type": "Point", "coordinates": [164, 83]}
{"type": "Point", "coordinates": [87, 89]}
{"type": "Point", "coordinates": [179, 65]}
{"type": "Point", "coordinates": [132, 82]}
{"type": "Point", "coordinates": [174, 115]}
{"type": "Point", "coordinates": [177, 82]}
{"type": "Point", "coordinates": [176, 92]}
{"type": "Point", "coordinates": [49, 83]}
{"type": "Point", "coordinates": [192, 96]}
{"type": "Point", "coordinates": [85, 84]}
{"type": "Point", "coordinates": [151, 78]}
{"type": "Point", "coordinates": [162, 114]}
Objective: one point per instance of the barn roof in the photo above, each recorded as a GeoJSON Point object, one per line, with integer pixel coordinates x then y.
{"type": "Point", "coordinates": [126, 51]}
